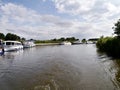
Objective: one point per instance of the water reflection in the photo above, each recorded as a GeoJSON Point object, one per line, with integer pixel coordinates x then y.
{"type": "Point", "coordinates": [111, 66]}
{"type": "Point", "coordinates": [6, 61]}
{"type": "Point", "coordinates": [117, 73]}
{"type": "Point", "coordinates": [12, 54]}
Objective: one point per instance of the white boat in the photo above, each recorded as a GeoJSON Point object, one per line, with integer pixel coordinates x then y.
{"type": "Point", "coordinates": [12, 45]}
{"type": "Point", "coordinates": [66, 43]}
{"type": "Point", "coordinates": [76, 42]}
{"type": "Point", "coordinates": [28, 44]}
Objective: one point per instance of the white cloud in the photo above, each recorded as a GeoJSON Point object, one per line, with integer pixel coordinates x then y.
{"type": "Point", "coordinates": [44, 0]}
{"type": "Point", "coordinates": [74, 6]}
{"type": "Point", "coordinates": [26, 22]}
{"type": "Point", "coordinates": [88, 9]}
{"type": "Point", "coordinates": [19, 13]}
{"type": "Point", "coordinates": [30, 24]}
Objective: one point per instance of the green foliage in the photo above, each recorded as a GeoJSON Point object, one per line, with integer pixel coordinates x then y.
{"type": "Point", "coordinates": [2, 36]}
{"type": "Point", "coordinates": [61, 39]}
{"type": "Point", "coordinates": [23, 39]}
{"type": "Point", "coordinates": [70, 39]}
{"type": "Point", "coordinates": [109, 45]}
{"type": "Point", "coordinates": [46, 41]}
{"type": "Point", "coordinates": [11, 36]}
{"type": "Point", "coordinates": [84, 40]}
{"type": "Point", "coordinates": [93, 39]}
{"type": "Point", "coordinates": [117, 28]}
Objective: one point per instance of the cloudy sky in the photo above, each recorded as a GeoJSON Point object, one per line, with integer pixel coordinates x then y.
{"type": "Point", "coordinates": [47, 19]}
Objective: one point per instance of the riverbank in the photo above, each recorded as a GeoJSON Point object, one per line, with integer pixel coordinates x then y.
{"type": "Point", "coordinates": [109, 45]}
{"type": "Point", "coordinates": [46, 44]}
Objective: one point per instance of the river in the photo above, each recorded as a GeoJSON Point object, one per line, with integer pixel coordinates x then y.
{"type": "Point", "coordinates": [74, 67]}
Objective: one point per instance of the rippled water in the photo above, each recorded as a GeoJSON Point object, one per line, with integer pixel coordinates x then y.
{"type": "Point", "coordinates": [76, 67]}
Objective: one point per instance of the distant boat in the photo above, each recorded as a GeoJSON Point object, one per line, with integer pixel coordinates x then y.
{"type": "Point", "coordinates": [28, 44]}
{"type": "Point", "coordinates": [91, 42]}
{"type": "Point", "coordinates": [12, 45]}
{"type": "Point", "coordinates": [66, 43]}
{"type": "Point", "coordinates": [76, 42]}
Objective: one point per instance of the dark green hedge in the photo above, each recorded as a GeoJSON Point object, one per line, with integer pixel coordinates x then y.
{"type": "Point", "coordinates": [110, 45]}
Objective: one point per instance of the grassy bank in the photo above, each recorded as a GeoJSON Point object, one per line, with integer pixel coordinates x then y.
{"type": "Point", "coordinates": [110, 45]}
{"type": "Point", "coordinates": [46, 44]}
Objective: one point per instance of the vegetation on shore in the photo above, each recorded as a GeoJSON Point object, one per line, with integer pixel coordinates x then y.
{"type": "Point", "coordinates": [10, 36]}
{"type": "Point", "coordinates": [111, 45]}
{"type": "Point", "coordinates": [70, 39]}
{"type": "Point", "coordinates": [14, 37]}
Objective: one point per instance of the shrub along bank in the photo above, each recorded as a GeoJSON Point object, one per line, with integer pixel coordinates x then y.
{"type": "Point", "coordinates": [110, 45]}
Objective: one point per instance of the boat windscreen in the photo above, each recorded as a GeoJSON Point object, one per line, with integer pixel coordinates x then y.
{"type": "Point", "coordinates": [9, 43]}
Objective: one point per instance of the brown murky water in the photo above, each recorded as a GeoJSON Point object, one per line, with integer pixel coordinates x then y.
{"type": "Point", "coordinates": [76, 67]}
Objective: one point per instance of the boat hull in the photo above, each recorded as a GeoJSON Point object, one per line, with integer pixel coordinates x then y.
{"type": "Point", "coordinates": [28, 44]}
{"type": "Point", "coordinates": [66, 43]}
{"type": "Point", "coordinates": [12, 48]}
{"type": "Point", "coordinates": [12, 45]}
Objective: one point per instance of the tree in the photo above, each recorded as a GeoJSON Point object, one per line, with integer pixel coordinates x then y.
{"type": "Point", "coordinates": [23, 39]}
{"type": "Point", "coordinates": [71, 39]}
{"type": "Point", "coordinates": [2, 36]}
{"type": "Point", "coordinates": [10, 36]}
{"type": "Point", "coordinates": [84, 40]}
{"type": "Point", "coordinates": [117, 28]}
{"type": "Point", "coordinates": [54, 39]}
{"type": "Point", "coordinates": [62, 39]}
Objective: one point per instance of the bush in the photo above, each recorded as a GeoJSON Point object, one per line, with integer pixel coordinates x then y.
{"type": "Point", "coordinates": [110, 45]}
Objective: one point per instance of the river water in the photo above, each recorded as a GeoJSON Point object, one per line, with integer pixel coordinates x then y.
{"type": "Point", "coordinates": [75, 67]}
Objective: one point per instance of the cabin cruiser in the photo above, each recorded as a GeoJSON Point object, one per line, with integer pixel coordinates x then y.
{"type": "Point", "coordinates": [66, 43]}
{"type": "Point", "coordinates": [28, 44]}
{"type": "Point", "coordinates": [12, 45]}
{"type": "Point", "coordinates": [76, 42]}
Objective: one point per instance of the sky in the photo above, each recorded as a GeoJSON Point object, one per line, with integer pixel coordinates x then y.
{"type": "Point", "coordinates": [48, 19]}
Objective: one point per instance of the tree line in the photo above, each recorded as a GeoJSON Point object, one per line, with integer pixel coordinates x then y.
{"type": "Point", "coordinates": [10, 36]}
{"type": "Point", "coordinates": [70, 39]}
{"type": "Point", "coordinates": [59, 40]}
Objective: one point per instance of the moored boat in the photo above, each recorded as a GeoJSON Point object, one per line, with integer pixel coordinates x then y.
{"type": "Point", "coordinates": [12, 45]}
{"type": "Point", "coordinates": [76, 42]}
{"type": "Point", "coordinates": [66, 43]}
{"type": "Point", "coordinates": [28, 44]}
